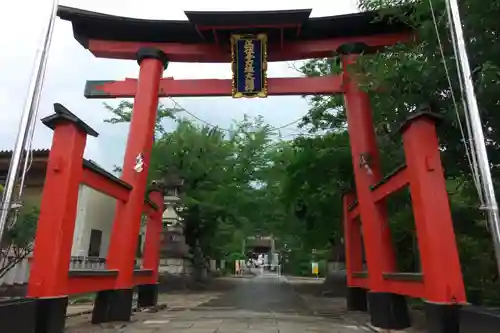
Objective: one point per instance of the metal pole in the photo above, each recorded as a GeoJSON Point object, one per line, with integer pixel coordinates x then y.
{"type": "Point", "coordinates": [477, 129]}
{"type": "Point", "coordinates": [32, 124]}
{"type": "Point", "coordinates": [29, 136]}
{"type": "Point", "coordinates": [30, 110]}
{"type": "Point", "coordinates": [28, 159]}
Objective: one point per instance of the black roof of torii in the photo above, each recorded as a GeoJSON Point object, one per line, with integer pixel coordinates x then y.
{"type": "Point", "coordinates": [216, 27]}
{"type": "Point", "coordinates": [253, 18]}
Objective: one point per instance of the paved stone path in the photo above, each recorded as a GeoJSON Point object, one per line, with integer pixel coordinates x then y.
{"type": "Point", "coordinates": [259, 305]}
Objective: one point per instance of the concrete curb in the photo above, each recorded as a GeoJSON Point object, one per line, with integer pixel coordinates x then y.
{"type": "Point", "coordinates": [77, 314]}
{"type": "Point", "coordinates": [380, 330]}
{"type": "Point", "coordinates": [158, 307]}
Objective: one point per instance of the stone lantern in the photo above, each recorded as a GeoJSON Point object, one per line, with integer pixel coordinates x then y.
{"type": "Point", "coordinates": [174, 250]}
{"type": "Point", "coordinates": [172, 184]}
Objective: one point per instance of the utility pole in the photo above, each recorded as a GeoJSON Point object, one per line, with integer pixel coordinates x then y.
{"type": "Point", "coordinates": [478, 141]}
{"type": "Point", "coordinates": [30, 112]}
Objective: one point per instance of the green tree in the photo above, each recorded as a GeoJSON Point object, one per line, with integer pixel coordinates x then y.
{"type": "Point", "coordinates": [222, 172]}
{"type": "Point", "coordinates": [17, 243]}
{"type": "Point", "coordinates": [406, 76]}
{"type": "Point", "coordinates": [319, 172]}
{"type": "Point", "coordinates": [123, 114]}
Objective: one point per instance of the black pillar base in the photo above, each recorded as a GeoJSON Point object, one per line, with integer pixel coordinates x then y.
{"type": "Point", "coordinates": [51, 315]}
{"type": "Point", "coordinates": [442, 318]}
{"type": "Point", "coordinates": [356, 299]}
{"type": "Point", "coordinates": [388, 311]}
{"type": "Point", "coordinates": [112, 305]}
{"type": "Point", "coordinates": [148, 295]}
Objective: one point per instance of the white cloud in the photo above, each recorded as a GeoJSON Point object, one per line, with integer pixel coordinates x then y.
{"type": "Point", "coordinates": [70, 66]}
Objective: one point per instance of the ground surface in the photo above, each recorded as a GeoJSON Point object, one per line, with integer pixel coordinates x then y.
{"type": "Point", "coordinates": [263, 304]}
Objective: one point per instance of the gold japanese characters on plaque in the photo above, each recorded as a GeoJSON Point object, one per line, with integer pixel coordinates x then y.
{"type": "Point", "coordinates": [249, 65]}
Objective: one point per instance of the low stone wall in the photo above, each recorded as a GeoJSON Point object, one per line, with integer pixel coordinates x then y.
{"type": "Point", "coordinates": [473, 319]}
{"type": "Point", "coordinates": [476, 319]}
{"type": "Point", "coordinates": [174, 282]}
{"type": "Point", "coordinates": [176, 274]}
{"type": "Point", "coordinates": [17, 315]}
{"type": "Point", "coordinates": [14, 290]}
{"type": "Point", "coordinates": [176, 266]}
{"type": "Point", "coordinates": [335, 284]}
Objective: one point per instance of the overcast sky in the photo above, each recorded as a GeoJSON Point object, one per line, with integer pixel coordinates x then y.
{"type": "Point", "coordinates": [70, 65]}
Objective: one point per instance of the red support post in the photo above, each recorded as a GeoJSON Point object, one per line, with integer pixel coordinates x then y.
{"type": "Point", "coordinates": [387, 310]}
{"type": "Point", "coordinates": [436, 237]}
{"type": "Point", "coordinates": [140, 140]}
{"type": "Point", "coordinates": [148, 293]}
{"type": "Point", "coordinates": [127, 221]}
{"type": "Point", "coordinates": [99, 182]}
{"type": "Point", "coordinates": [352, 241]}
{"type": "Point", "coordinates": [356, 293]}
{"type": "Point", "coordinates": [365, 158]}
{"type": "Point", "coordinates": [154, 230]}
{"type": "Point", "coordinates": [52, 250]}
{"type": "Point", "coordinates": [48, 279]}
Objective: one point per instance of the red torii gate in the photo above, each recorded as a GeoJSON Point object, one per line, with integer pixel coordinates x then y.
{"type": "Point", "coordinates": [292, 35]}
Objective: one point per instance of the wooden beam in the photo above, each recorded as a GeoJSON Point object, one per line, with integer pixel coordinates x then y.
{"type": "Point", "coordinates": [324, 85]}
{"type": "Point", "coordinates": [179, 52]}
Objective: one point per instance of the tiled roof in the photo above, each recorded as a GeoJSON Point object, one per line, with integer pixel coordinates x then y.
{"type": "Point", "coordinates": [4, 153]}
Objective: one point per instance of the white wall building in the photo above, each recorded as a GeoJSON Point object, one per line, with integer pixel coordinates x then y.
{"type": "Point", "coordinates": [94, 219]}
{"type": "Point", "coordinates": [93, 225]}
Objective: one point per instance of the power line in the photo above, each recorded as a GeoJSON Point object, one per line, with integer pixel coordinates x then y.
{"type": "Point", "coordinates": [179, 107]}
{"type": "Point", "coordinates": [183, 109]}
{"type": "Point", "coordinates": [469, 147]}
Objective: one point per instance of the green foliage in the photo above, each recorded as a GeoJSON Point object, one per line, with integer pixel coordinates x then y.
{"type": "Point", "coordinates": [22, 233]}
{"type": "Point", "coordinates": [406, 76]}
{"type": "Point", "coordinates": [218, 169]}
{"type": "Point", "coordinates": [314, 172]}
{"type": "Point", "coordinates": [244, 181]}
{"type": "Point", "coordinates": [17, 243]}
{"type": "Point", "coordinates": [224, 176]}
{"type": "Point", "coordinates": [123, 114]}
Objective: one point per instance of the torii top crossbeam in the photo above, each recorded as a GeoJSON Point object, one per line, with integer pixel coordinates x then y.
{"type": "Point", "coordinates": [205, 36]}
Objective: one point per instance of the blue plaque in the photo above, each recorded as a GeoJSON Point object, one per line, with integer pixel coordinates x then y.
{"type": "Point", "coordinates": [249, 64]}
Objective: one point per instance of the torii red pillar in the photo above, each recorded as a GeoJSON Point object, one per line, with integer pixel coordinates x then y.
{"type": "Point", "coordinates": [48, 280]}
{"type": "Point", "coordinates": [366, 163]}
{"type": "Point", "coordinates": [442, 274]}
{"type": "Point", "coordinates": [148, 293]}
{"type": "Point", "coordinates": [377, 238]}
{"type": "Point", "coordinates": [126, 225]}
